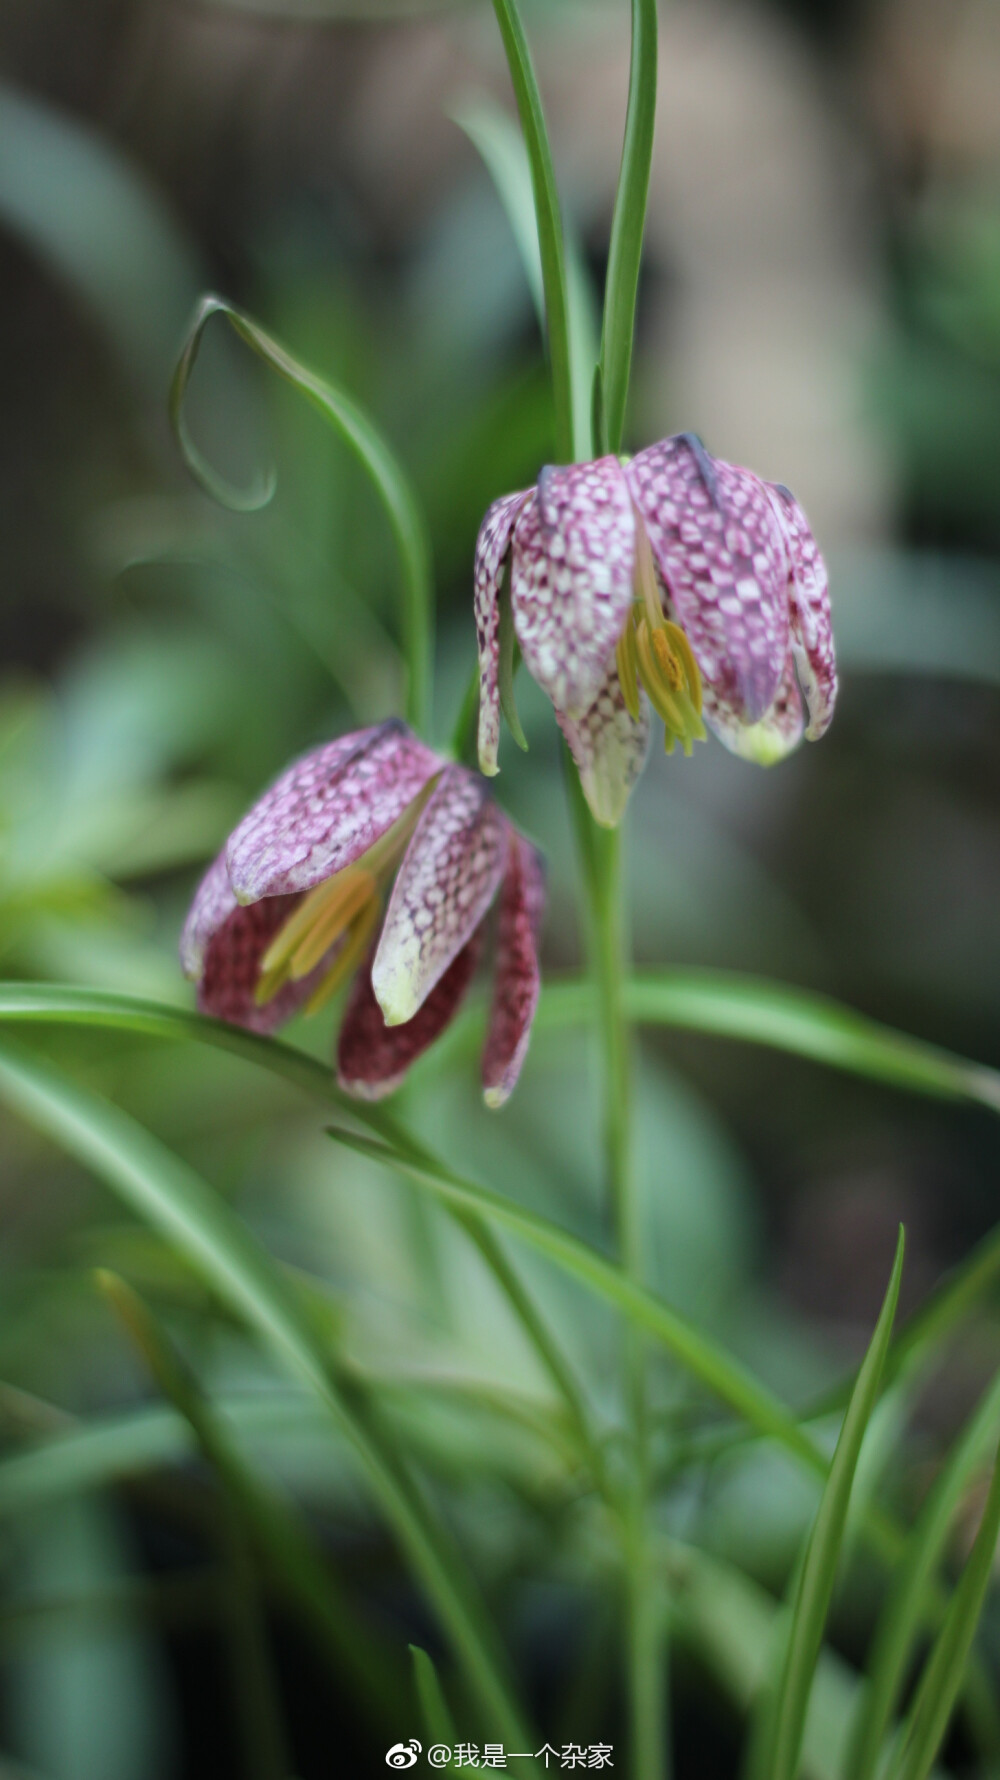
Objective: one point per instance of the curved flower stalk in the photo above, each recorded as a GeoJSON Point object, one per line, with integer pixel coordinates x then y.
{"type": "Point", "coordinates": [672, 580]}
{"type": "Point", "coordinates": [292, 908]}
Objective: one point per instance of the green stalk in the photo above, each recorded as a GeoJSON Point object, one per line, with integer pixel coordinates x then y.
{"type": "Point", "coordinates": [601, 855]}
{"type": "Point", "coordinates": [627, 228]}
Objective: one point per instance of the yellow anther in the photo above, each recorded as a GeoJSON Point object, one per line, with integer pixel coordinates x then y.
{"type": "Point", "coordinates": [348, 958]}
{"type": "Point", "coordinates": [666, 659]}
{"type": "Point", "coordinates": [356, 888]}
{"type": "Point", "coordinates": [691, 672]}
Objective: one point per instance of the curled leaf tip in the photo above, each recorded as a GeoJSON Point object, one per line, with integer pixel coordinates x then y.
{"type": "Point", "coordinates": [227, 494]}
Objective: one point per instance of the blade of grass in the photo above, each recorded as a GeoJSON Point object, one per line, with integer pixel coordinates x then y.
{"type": "Point", "coordinates": [293, 1559]}
{"type": "Point", "coordinates": [372, 452]}
{"type": "Point", "coordinates": [439, 1725]}
{"type": "Point", "coordinates": [505, 154]}
{"type": "Point", "coordinates": [903, 1616]}
{"type": "Point", "coordinates": [163, 1191]}
{"type": "Point", "coordinates": [945, 1669]}
{"type": "Point", "coordinates": [548, 219]}
{"type": "Point", "coordinates": [627, 226]}
{"type": "Point", "coordinates": [815, 1591]}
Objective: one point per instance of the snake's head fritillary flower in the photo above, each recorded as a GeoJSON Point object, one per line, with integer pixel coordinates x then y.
{"type": "Point", "coordinates": [372, 857]}
{"type": "Point", "coordinates": [672, 580]}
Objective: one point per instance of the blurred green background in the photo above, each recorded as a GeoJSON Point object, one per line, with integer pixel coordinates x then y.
{"type": "Point", "coordinates": [821, 300]}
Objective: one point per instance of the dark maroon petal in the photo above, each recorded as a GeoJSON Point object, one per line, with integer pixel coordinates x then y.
{"type": "Point", "coordinates": [809, 600]}
{"type": "Point", "coordinates": [231, 967]}
{"type": "Point", "coordinates": [491, 549]}
{"type": "Point", "coordinates": [446, 883]}
{"type": "Point", "coordinates": [572, 559]}
{"type": "Point", "coordinates": [517, 980]}
{"type": "Point", "coordinates": [373, 1058]}
{"type": "Point", "coordinates": [326, 810]}
{"type": "Point", "coordinates": [721, 553]}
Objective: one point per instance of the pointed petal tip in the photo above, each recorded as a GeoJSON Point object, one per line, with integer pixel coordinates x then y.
{"type": "Point", "coordinates": [495, 1098]}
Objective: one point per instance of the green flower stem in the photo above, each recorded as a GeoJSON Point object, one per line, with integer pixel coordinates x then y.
{"type": "Point", "coordinates": [601, 857]}
{"type": "Point", "coordinates": [627, 228]}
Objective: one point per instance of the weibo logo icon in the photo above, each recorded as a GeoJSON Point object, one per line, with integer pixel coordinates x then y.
{"type": "Point", "coordinates": [403, 1755]}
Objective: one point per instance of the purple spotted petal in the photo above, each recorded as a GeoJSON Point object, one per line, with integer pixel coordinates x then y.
{"type": "Point", "coordinates": [447, 881]}
{"type": "Point", "coordinates": [773, 736]}
{"type": "Point", "coordinates": [372, 1058]}
{"type": "Point", "coordinates": [571, 578]}
{"type": "Point", "coordinates": [722, 556]}
{"type": "Point", "coordinates": [491, 549]}
{"type": "Point", "coordinates": [222, 946]}
{"type": "Point", "coordinates": [609, 748]}
{"type": "Point", "coordinates": [809, 599]}
{"type": "Point", "coordinates": [517, 980]}
{"type": "Point", "coordinates": [327, 810]}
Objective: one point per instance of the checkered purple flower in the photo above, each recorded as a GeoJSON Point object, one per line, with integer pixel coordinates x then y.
{"type": "Point", "coordinates": [293, 907]}
{"type": "Point", "coordinates": [672, 580]}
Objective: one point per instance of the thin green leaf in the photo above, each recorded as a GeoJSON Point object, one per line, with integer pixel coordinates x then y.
{"type": "Point", "coordinates": [819, 1569]}
{"type": "Point", "coordinates": [721, 1374]}
{"type": "Point", "coordinates": [372, 452]}
{"type": "Point", "coordinates": [293, 1559]}
{"type": "Point", "coordinates": [787, 1019]}
{"type": "Point", "coordinates": [163, 1191]}
{"type": "Point", "coordinates": [945, 1670]}
{"type": "Point", "coordinates": [439, 1725]}
{"type": "Point", "coordinates": [503, 149]}
{"type": "Point", "coordinates": [548, 219]}
{"type": "Point", "coordinates": [627, 227]}
{"type": "Point", "coordinates": [904, 1614]}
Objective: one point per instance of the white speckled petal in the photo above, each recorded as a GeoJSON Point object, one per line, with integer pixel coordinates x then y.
{"type": "Point", "coordinates": [573, 553]}
{"type": "Point", "coordinates": [609, 748]}
{"type": "Point", "coordinates": [518, 980]}
{"type": "Point", "coordinates": [491, 549]}
{"type": "Point", "coordinates": [447, 881]}
{"type": "Point", "coordinates": [809, 601]}
{"type": "Point", "coordinates": [326, 810]}
{"type": "Point", "coordinates": [773, 736]}
{"type": "Point", "coordinates": [721, 553]}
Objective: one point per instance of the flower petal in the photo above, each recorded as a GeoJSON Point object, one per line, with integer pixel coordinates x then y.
{"type": "Point", "coordinates": [491, 549]}
{"type": "Point", "coordinates": [721, 553]}
{"type": "Point", "coordinates": [326, 810]}
{"type": "Point", "coordinates": [609, 748]}
{"type": "Point", "coordinates": [372, 1058]}
{"type": "Point", "coordinates": [776, 733]}
{"type": "Point", "coordinates": [222, 946]}
{"type": "Point", "coordinates": [571, 579]}
{"type": "Point", "coordinates": [517, 980]}
{"type": "Point", "coordinates": [809, 600]}
{"type": "Point", "coordinates": [446, 883]}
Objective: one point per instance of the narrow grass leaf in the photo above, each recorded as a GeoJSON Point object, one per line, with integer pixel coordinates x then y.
{"type": "Point", "coordinates": [627, 226]}
{"type": "Point", "coordinates": [548, 219]}
{"type": "Point", "coordinates": [439, 1726]}
{"type": "Point", "coordinates": [945, 1669]}
{"type": "Point", "coordinates": [904, 1615]}
{"type": "Point", "coordinates": [354, 427]}
{"type": "Point", "coordinates": [168, 1194]}
{"type": "Point", "coordinates": [820, 1566]}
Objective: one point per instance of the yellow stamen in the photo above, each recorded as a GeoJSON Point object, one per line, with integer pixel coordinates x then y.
{"type": "Point", "coordinates": [666, 660]}
{"type": "Point", "coordinates": [644, 576]}
{"type": "Point", "coordinates": [628, 669]}
{"type": "Point", "coordinates": [357, 888]}
{"type": "Point", "coordinates": [347, 960]}
{"type": "Point", "coordinates": [690, 666]}
{"type": "Point", "coordinates": [268, 984]}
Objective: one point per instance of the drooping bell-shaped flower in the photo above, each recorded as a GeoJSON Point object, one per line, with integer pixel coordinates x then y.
{"type": "Point", "coordinates": [293, 906]}
{"type": "Point", "coordinates": [672, 580]}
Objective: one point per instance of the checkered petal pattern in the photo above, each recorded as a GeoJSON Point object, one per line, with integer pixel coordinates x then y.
{"type": "Point", "coordinates": [373, 1058]}
{"type": "Point", "coordinates": [221, 948]}
{"type": "Point", "coordinates": [448, 878]}
{"type": "Point", "coordinates": [492, 546]}
{"type": "Point", "coordinates": [609, 748]}
{"type": "Point", "coordinates": [572, 556]}
{"type": "Point", "coordinates": [326, 810]}
{"type": "Point", "coordinates": [774, 735]}
{"type": "Point", "coordinates": [517, 981]}
{"type": "Point", "coordinates": [809, 603]}
{"type": "Point", "coordinates": [722, 557]}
